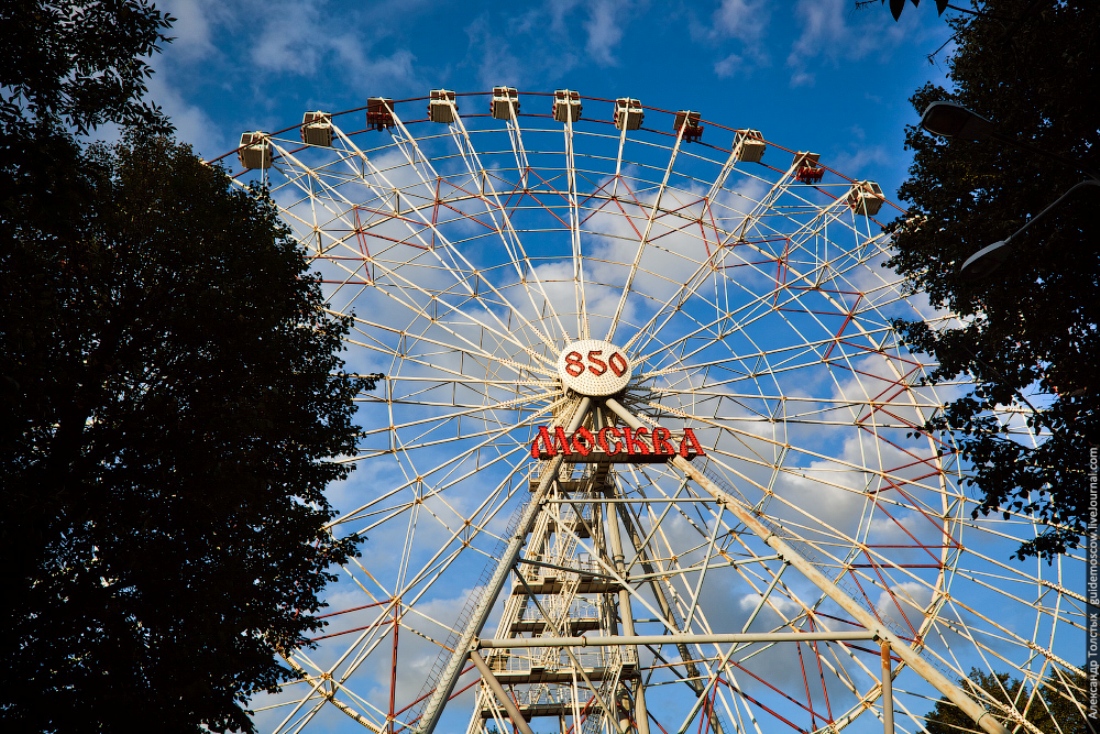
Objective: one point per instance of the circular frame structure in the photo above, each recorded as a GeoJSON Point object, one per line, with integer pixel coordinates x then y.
{"type": "Point", "coordinates": [729, 530]}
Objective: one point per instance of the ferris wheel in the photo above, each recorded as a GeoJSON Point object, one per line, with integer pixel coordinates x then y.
{"type": "Point", "coordinates": [647, 453]}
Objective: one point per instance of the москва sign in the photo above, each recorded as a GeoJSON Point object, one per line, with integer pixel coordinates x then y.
{"type": "Point", "coordinates": [613, 444]}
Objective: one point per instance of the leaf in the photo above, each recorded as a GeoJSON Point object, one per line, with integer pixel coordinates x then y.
{"type": "Point", "coordinates": [896, 6]}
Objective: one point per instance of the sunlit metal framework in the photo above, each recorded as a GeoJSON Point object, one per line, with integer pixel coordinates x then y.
{"type": "Point", "coordinates": [822, 544]}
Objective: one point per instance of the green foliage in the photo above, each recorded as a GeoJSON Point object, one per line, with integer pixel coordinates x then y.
{"type": "Point", "coordinates": [173, 400]}
{"type": "Point", "coordinates": [79, 63]}
{"type": "Point", "coordinates": [1049, 709]}
{"type": "Point", "coordinates": [1033, 326]}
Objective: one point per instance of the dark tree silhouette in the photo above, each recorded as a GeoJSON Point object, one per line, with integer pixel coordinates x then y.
{"type": "Point", "coordinates": [1032, 328]}
{"type": "Point", "coordinates": [172, 399]}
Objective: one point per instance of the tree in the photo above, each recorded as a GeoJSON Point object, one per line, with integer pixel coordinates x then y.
{"type": "Point", "coordinates": [1043, 708]}
{"type": "Point", "coordinates": [79, 63]}
{"type": "Point", "coordinates": [173, 401]}
{"type": "Point", "coordinates": [174, 398]}
{"type": "Point", "coordinates": [1028, 336]}
{"type": "Point", "coordinates": [176, 401]}
{"type": "Point", "coordinates": [69, 66]}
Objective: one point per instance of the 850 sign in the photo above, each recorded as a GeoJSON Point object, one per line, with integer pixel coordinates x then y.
{"type": "Point", "coordinates": [575, 363]}
{"type": "Point", "coordinates": [593, 367]}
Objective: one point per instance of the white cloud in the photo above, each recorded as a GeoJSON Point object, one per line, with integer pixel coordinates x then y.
{"type": "Point", "coordinates": [802, 79]}
{"type": "Point", "coordinates": [604, 29]}
{"type": "Point", "coordinates": [904, 604]}
{"type": "Point", "coordinates": [744, 20]}
{"type": "Point", "coordinates": [857, 160]}
{"type": "Point", "coordinates": [298, 39]}
{"type": "Point", "coordinates": [831, 32]}
{"type": "Point", "coordinates": [728, 66]}
{"type": "Point", "coordinates": [496, 63]}
{"type": "Point", "coordinates": [193, 124]}
{"type": "Point", "coordinates": [559, 9]}
{"type": "Point", "coordinates": [191, 33]}
{"type": "Point", "coordinates": [783, 604]}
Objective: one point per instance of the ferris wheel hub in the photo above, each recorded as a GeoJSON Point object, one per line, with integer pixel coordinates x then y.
{"type": "Point", "coordinates": [594, 368]}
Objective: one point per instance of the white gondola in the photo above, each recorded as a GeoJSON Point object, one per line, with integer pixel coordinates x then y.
{"type": "Point", "coordinates": [628, 114]}
{"type": "Point", "coordinates": [505, 101]}
{"type": "Point", "coordinates": [255, 150]}
{"type": "Point", "coordinates": [317, 129]}
{"type": "Point", "coordinates": [865, 197]}
{"type": "Point", "coordinates": [442, 107]}
{"type": "Point", "coordinates": [752, 146]}
{"type": "Point", "coordinates": [567, 105]}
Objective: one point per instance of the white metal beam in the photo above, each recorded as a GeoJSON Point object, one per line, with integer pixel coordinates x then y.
{"type": "Point", "coordinates": [981, 715]}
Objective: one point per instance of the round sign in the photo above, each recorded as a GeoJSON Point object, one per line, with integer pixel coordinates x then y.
{"type": "Point", "coordinates": [594, 368]}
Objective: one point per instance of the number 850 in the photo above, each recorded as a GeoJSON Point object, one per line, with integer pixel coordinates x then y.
{"type": "Point", "coordinates": [575, 363]}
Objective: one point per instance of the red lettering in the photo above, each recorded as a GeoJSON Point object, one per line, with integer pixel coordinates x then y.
{"type": "Point", "coordinates": [617, 363]}
{"type": "Point", "coordinates": [690, 447]}
{"type": "Point", "coordinates": [583, 447]}
{"type": "Point", "coordinates": [633, 444]}
{"type": "Point", "coordinates": [601, 439]}
{"type": "Point", "coordinates": [548, 444]}
{"type": "Point", "coordinates": [574, 364]}
{"type": "Point", "coordinates": [661, 444]}
{"type": "Point", "coordinates": [562, 440]}
{"type": "Point", "coordinates": [596, 365]}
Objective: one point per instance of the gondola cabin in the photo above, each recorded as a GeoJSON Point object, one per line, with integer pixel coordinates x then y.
{"type": "Point", "coordinates": [750, 146]}
{"type": "Point", "coordinates": [505, 103]}
{"type": "Point", "coordinates": [628, 114]}
{"type": "Point", "coordinates": [688, 121]}
{"type": "Point", "coordinates": [317, 129]}
{"type": "Point", "coordinates": [255, 150]}
{"type": "Point", "coordinates": [567, 105]}
{"type": "Point", "coordinates": [441, 106]}
{"type": "Point", "coordinates": [865, 197]}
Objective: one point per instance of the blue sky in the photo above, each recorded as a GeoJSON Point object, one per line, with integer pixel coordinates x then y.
{"type": "Point", "coordinates": [814, 75]}
{"type": "Point", "coordinates": [810, 74]}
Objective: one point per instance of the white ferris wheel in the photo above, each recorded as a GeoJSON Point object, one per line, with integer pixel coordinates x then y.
{"type": "Point", "coordinates": [647, 455]}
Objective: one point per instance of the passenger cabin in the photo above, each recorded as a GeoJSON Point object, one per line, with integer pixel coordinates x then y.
{"type": "Point", "coordinates": [505, 103]}
{"type": "Point", "coordinates": [442, 107]}
{"type": "Point", "coordinates": [750, 146]}
{"type": "Point", "coordinates": [806, 169]}
{"type": "Point", "coordinates": [317, 129]}
{"type": "Point", "coordinates": [628, 113]}
{"type": "Point", "coordinates": [865, 197]}
{"type": "Point", "coordinates": [689, 121]}
{"type": "Point", "coordinates": [380, 113]}
{"type": "Point", "coordinates": [255, 150]}
{"type": "Point", "coordinates": [567, 105]}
